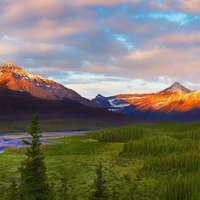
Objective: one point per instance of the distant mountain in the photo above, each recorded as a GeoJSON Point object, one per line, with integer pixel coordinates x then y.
{"type": "Point", "coordinates": [175, 103]}
{"type": "Point", "coordinates": [15, 78]}
{"type": "Point", "coordinates": [112, 103]}
{"type": "Point", "coordinates": [16, 105]}
{"type": "Point", "coordinates": [176, 87]}
{"type": "Point", "coordinates": [23, 94]}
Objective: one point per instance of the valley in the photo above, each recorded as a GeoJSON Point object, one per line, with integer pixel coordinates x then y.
{"type": "Point", "coordinates": [99, 100]}
{"type": "Point", "coordinates": [141, 157]}
{"type": "Point", "coordinates": [152, 161]}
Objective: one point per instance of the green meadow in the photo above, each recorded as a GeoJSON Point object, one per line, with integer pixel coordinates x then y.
{"type": "Point", "coordinates": [159, 161]}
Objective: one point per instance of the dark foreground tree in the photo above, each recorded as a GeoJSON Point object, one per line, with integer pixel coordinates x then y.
{"type": "Point", "coordinates": [34, 183]}
{"type": "Point", "coordinates": [99, 185]}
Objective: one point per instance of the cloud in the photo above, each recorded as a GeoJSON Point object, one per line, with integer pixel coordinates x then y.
{"type": "Point", "coordinates": [180, 39]}
{"type": "Point", "coordinates": [191, 6]}
{"type": "Point", "coordinates": [170, 62]}
{"type": "Point", "coordinates": [103, 2]}
{"type": "Point", "coordinates": [25, 10]}
{"type": "Point", "coordinates": [128, 39]}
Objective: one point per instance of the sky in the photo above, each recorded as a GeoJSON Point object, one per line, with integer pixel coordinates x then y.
{"type": "Point", "coordinates": [104, 46]}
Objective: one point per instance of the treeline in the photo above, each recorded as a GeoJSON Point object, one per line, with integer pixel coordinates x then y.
{"type": "Point", "coordinates": [170, 153]}
{"type": "Point", "coordinates": [181, 187]}
{"type": "Point", "coordinates": [184, 164]}
{"type": "Point", "coordinates": [172, 161]}
{"type": "Point", "coordinates": [160, 145]}
{"type": "Point", "coordinates": [120, 134]}
{"type": "Point", "coordinates": [175, 127]}
{"type": "Point", "coordinates": [53, 125]}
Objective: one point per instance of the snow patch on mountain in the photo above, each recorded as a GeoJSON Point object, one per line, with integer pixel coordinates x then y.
{"type": "Point", "coordinates": [15, 78]}
{"type": "Point", "coordinates": [176, 87]}
{"type": "Point", "coordinates": [117, 103]}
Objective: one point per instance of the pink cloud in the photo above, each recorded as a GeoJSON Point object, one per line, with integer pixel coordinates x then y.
{"type": "Point", "coordinates": [47, 29]}
{"type": "Point", "coordinates": [169, 62]}
{"type": "Point", "coordinates": [16, 11]}
{"type": "Point", "coordinates": [103, 2]}
{"type": "Point", "coordinates": [11, 49]}
{"type": "Point", "coordinates": [190, 6]}
{"type": "Point", "coordinates": [178, 38]}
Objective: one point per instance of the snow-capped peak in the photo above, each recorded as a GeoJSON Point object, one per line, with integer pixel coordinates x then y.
{"type": "Point", "coordinates": [176, 87]}
{"type": "Point", "coordinates": [9, 66]}
{"type": "Point", "coordinates": [16, 78]}
{"type": "Point", "coordinates": [20, 72]}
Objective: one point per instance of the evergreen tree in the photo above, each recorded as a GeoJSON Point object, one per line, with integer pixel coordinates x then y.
{"type": "Point", "coordinates": [13, 191]}
{"type": "Point", "coordinates": [99, 185]}
{"type": "Point", "coordinates": [34, 184]}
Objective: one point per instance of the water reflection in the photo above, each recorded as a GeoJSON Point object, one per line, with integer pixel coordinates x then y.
{"type": "Point", "coordinates": [15, 140]}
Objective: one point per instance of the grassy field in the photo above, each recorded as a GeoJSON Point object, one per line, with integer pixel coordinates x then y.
{"type": "Point", "coordinates": [143, 162]}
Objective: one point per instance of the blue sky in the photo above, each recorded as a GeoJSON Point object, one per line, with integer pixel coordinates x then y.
{"type": "Point", "coordinates": [107, 47]}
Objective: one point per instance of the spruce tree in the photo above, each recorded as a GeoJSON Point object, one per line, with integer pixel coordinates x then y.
{"type": "Point", "coordinates": [34, 184]}
{"type": "Point", "coordinates": [99, 185]}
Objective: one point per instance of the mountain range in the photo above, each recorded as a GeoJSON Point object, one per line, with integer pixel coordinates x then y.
{"type": "Point", "coordinates": [175, 103]}
{"type": "Point", "coordinates": [22, 94]}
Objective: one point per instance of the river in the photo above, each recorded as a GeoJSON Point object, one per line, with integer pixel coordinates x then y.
{"type": "Point", "coordinates": [15, 140]}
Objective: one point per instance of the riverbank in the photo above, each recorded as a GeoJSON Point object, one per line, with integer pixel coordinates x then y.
{"type": "Point", "coordinates": [15, 140]}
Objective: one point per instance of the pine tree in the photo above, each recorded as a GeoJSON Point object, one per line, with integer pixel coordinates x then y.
{"type": "Point", "coordinates": [99, 185]}
{"type": "Point", "coordinates": [34, 184]}
{"type": "Point", "coordinates": [13, 191]}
